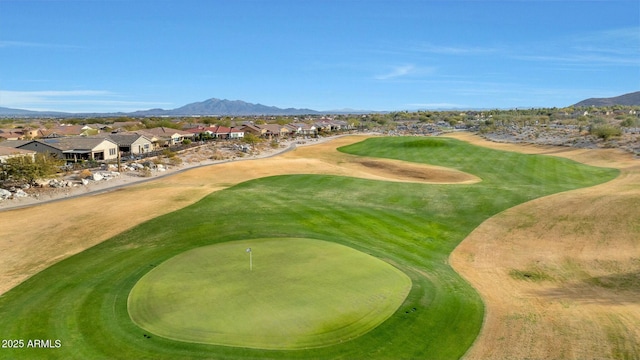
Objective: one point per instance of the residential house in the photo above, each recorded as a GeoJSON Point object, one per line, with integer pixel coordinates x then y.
{"type": "Point", "coordinates": [217, 132]}
{"type": "Point", "coordinates": [293, 129]}
{"type": "Point", "coordinates": [274, 130]}
{"type": "Point", "coordinates": [131, 143]}
{"type": "Point", "coordinates": [30, 133]}
{"type": "Point", "coordinates": [67, 130]}
{"type": "Point", "coordinates": [253, 130]}
{"type": "Point", "coordinates": [100, 127]}
{"type": "Point", "coordinates": [305, 129]}
{"type": "Point", "coordinates": [323, 125]}
{"type": "Point", "coordinates": [14, 143]}
{"type": "Point", "coordinates": [168, 135]}
{"type": "Point", "coordinates": [9, 152]}
{"type": "Point", "coordinates": [201, 131]}
{"type": "Point", "coordinates": [332, 125]}
{"type": "Point", "coordinates": [155, 140]}
{"type": "Point", "coordinates": [221, 132]}
{"type": "Point", "coordinates": [341, 125]}
{"type": "Point", "coordinates": [236, 133]}
{"type": "Point", "coordinates": [11, 134]}
{"type": "Point", "coordinates": [75, 149]}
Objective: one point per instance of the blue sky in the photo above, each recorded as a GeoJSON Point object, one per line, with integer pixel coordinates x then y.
{"type": "Point", "coordinates": [125, 55]}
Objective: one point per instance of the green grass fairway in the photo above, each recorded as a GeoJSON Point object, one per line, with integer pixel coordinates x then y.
{"type": "Point", "coordinates": [300, 293]}
{"type": "Point", "coordinates": [83, 300]}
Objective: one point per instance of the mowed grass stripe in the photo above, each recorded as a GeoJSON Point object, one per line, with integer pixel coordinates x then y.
{"type": "Point", "coordinates": [412, 226]}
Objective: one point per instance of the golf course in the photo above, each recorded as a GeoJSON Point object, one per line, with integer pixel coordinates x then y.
{"type": "Point", "coordinates": [337, 252]}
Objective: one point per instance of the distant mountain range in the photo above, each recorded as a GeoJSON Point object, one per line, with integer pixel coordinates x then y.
{"type": "Point", "coordinates": [211, 107]}
{"type": "Point", "coordinates": [218, 107]}
{"type": "Point", "coordinates": [28, 113]}
{"type": "Point", "coordinates": [224, 107]}
{"type": "Point", "coordinates": [631, 99]}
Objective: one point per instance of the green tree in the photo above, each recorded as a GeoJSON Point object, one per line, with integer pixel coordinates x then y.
{"type": "Point", "coordinates": [28, 169]}
{"type": "Point", "coordinates": [282, 120]}
{"type": "Point", "coordinates": [225, 121]}
{"type": "Point", "coordinates": [251, 139]}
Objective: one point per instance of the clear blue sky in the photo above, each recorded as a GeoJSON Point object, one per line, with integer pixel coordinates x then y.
{"type": "Point", "coordinates": [125, 55]}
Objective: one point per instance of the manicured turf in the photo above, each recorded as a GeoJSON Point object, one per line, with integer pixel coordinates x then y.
{"type": "Point", "coordinates": [301, 293]}
{"type": "Point", "coordinates": [83, 300]}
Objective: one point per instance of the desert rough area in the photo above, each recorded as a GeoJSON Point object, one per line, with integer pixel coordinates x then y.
{"type": "Point", "coordinates": [559, 276]}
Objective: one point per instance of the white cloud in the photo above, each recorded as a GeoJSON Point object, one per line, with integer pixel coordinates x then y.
{"type": "Point", "coordinates": [396, 72]}
{"type": "Point", "coordinates": [403, 71]}
{"type": "Point", "coordinates": [9, 96]}
{"type": "Point", "coordinates": [618, 47]}
{"type": "Point", "coordinates": [72, 101]}
{"type": "Point", "coordinates": [437, 106]}
{"type": "Point", "coordinates": [452, 50]}
{"type": "Point", "coordinates": [27, 44]}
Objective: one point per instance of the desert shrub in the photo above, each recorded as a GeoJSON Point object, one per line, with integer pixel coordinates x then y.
{"type": "Point", "coordinates": [217, 156]}
{"type": "Point", "coordinates": [251, 139]}
{"type": "Point", "coordinates": [168, 153]}
{"type": "Point", "coordinates": [86, 173]}
{"type": "Point", "coordinates": [605, 131]}
{"type": "Point", "coordinates": [175, 161]}
{"type": "Point", "coordinates": [630, 122]}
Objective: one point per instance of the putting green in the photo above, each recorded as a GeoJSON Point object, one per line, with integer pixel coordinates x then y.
{"type": "Point", "coordinates": [295, 294]}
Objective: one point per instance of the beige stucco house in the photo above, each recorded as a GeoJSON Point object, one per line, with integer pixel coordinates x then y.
{"type": "Point", "coordinates": [75, 149]}
{"type": "Point", "coordinates": [132, 143]}
{"type": "Point", "coordinates": [169, 135]}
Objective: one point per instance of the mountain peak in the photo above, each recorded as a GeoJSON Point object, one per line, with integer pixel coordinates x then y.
{"type": "Point", "coordinates": [216, 106]}
{"type": "Point", "coordinates": [630, 99]}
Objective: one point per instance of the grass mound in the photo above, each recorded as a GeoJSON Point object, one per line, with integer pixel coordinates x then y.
{"type": "Point", "coordinates": [301, 293]}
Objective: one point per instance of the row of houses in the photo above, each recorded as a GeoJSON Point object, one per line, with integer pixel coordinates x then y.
{"type": "Point", "coordinates": [101, 147]}
{"type": "Point", "coordinates": [271, 130]}
{"type": "Point", "coordinates": [66, 130]}
{"type": "Point", "coordinates": [45, 133]}
{"type": "Point", "coordinates": [106, 146]}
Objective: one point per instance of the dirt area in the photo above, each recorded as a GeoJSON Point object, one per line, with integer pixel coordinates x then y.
{"type": "Point", "coordinates": [44, 232]}
{"type": "Point", "coordinates": [560, 276]}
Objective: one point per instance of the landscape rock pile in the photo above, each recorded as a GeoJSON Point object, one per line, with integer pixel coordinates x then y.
{"type": "Point", "coordinates": [5, 194]}
{"type": "Point", "coordinates": [12, 193]}
{"type": "Point", "coordinates": [104, 175]}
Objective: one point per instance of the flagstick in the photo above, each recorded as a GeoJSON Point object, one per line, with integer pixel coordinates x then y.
{"type": "Point", "coordinates": [250, 259]}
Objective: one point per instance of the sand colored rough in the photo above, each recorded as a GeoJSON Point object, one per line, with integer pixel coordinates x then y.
{"type": "Point", "coordinates": [35, 237]}
{"type": "Point", "coordinates": [560, 276]}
